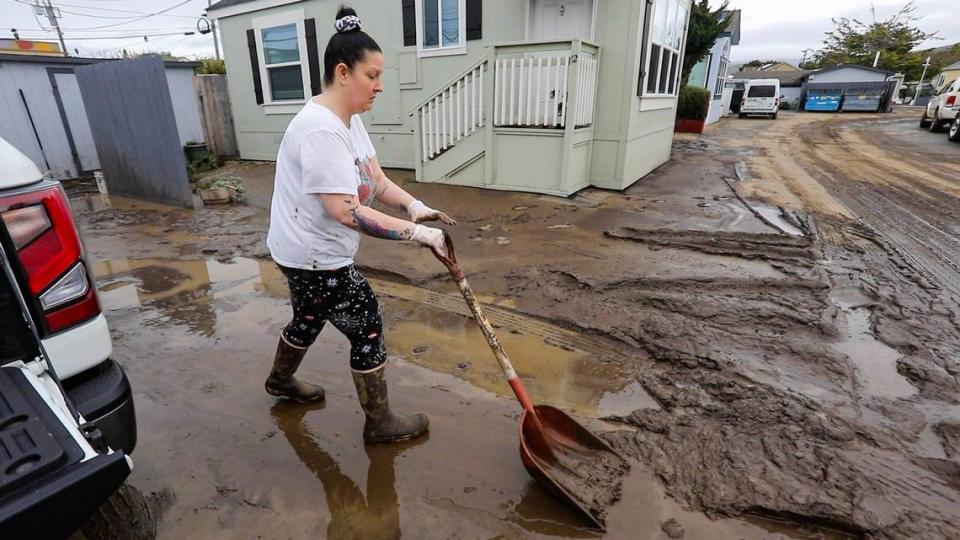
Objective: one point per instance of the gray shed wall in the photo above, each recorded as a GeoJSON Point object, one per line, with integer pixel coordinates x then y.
{"type": "Point", "coordinates": [791, 94]}
{"type": "Point", "coordinates": [185, 107]}
{"type": "Point", "coordinates": [32, 77]}
{"type": "Point", "coordinates": [135, 130]}
{"type": "Point", "coordinates": [15, 125]}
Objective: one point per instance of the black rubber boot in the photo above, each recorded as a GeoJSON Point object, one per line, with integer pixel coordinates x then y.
{"type": "Point", "coordinates": [281, 381]}
{"type": "Point", "coordinates": [382, 426]}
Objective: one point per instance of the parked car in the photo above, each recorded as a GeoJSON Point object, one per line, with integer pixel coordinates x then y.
{"type": "Point", "coordinates": [942, 108]}
{"type": "Point", "coordinates": [761, 96]}
{"type": "Point", "coordinates": [67, 421]}
{"type": "Point", "coordinates": [954, 134]}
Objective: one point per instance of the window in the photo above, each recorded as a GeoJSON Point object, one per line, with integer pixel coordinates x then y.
{"type": "Point", "coordinates": [721, 76]}
{"type": "Point", "coordinates": [666, 42]}
{"type": "Point", "coordinates": [281, 50]}
{"type": "Point", "coordinates": [281, 58]}
{"type": "Point", "coordinates": [762, 91]}
{"type": "Point", "coordinates": [441, 27]}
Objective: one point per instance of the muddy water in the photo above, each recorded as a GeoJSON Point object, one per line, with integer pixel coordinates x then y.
{"type": "Point", "coordinates": [876, 362]}
{"type": "Point", "coordinates": [197, 336]}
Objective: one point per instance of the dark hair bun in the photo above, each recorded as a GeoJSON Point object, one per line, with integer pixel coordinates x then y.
{"type": "Point", "coordinates": [347, 20]}
{"type": "Point", "coordinates": [348, 45]}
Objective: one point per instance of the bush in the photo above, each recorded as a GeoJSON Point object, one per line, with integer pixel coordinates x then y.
{"type": "Point", "coordinates": [693, 103]}
{"type": "Point", "coordinates": [206, 162]}
{"type": "Point", "coordinates": [211, 66]}
{"type": "Point", "coordinates": [785, 105]}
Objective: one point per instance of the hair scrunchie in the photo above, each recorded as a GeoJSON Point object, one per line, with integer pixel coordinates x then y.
{"type": "Point", "coordinates": [347, 23]}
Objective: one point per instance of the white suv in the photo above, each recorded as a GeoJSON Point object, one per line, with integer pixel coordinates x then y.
{"type": "Point", "coordinates": [942, 108]}
{"type": "Point", "coordinates": [66, 409]}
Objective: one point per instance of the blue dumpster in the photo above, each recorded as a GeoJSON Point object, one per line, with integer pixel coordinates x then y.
{"type": "Point", "coordinates": [855, 99]}
{"type": "Point", "coordinates": [823, 100]}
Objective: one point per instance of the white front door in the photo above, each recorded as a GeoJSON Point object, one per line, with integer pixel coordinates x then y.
{"type": "Point", "coordinates": [555, 19]}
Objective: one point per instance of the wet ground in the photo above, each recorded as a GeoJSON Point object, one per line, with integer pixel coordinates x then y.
{"type": "Point", "coordinates": [775, 352]}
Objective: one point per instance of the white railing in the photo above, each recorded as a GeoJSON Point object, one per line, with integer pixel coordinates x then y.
{"type": "Point", "coordinates": [531, 91]}
{"type": "Point", "coordinates": [586, 90]}
{"type": "Point", "coordinates": [453, 113]}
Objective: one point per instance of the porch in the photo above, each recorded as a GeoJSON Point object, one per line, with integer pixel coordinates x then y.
{"type": "Point", "coordinates": [519, 118]}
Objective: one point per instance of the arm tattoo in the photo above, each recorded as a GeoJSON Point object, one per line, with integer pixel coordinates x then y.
{"type": "Point", "coordinates": [373, 228]}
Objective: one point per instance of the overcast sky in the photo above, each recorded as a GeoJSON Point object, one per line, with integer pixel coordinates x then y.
{"type": "Point", "coordinates": [781, 29]}
{"type": "Point", "coordinates": [771, 29]}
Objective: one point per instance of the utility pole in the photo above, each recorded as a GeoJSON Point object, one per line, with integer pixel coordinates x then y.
{"type": "Point", "coordinates": [213, 30]}
{"type": "Point", "coordinates": [53, 18]}
{"type": "Point", "coordinates": [922, 75]}
{"type": "Point", "coordinates": [876, 59]}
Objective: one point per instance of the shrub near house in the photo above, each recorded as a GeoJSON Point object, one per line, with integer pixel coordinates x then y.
{"type": "Point", "coordinates": [692, 107]}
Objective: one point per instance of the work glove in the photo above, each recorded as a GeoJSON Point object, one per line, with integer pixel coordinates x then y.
{"type": "Point", "coordinates": [430, 237]}
{"type": "Point", "coordinates": [420, 212]}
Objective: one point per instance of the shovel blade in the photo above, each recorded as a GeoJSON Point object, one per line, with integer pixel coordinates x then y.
{"type": "Point", "coordinates": [578, 467]}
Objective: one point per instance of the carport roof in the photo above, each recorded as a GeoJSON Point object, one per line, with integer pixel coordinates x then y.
{"type": "Point", "coordinates": [852, 66]}
{"type": "Point", "coordinates": [76, 60]}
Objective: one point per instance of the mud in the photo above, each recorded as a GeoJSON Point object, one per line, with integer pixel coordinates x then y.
{"type": "Point", "coordinates": [761, 383]}
{"type": "Point", "coordinates": [235, 462]}
{"type": "Point", "coordinates": [593, 478]}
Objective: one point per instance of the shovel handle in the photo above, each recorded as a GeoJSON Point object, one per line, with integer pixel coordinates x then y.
{"type": "Point", "coordinates": [450, 261]}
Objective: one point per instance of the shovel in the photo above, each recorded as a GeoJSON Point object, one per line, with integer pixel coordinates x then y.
{"type": "Point", "coordinates": [574, 464]}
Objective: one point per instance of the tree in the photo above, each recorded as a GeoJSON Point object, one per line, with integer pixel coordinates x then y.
{"type": "Point", "coordinates": [854, 42]}
{"type": "Point", "coordinates": [704, 29]}
{"type": "Point", "coordinates": [758, 63]}
{"type": "Point", "coordinates": [211, 66]}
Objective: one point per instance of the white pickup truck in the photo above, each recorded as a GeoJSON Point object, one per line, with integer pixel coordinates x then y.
{"type": "Point", "coordinates": [67, 422]}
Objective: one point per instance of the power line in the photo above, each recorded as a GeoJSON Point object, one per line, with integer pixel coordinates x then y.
{"type": "Point", "coordinates": [118, 37]}
{"type": "Point", "coordinates": [107, 32]}
{"type": "Point", "coordinates": [133, 20]}
{"type": "Point", "coordinates": [117, 10]}
{"type": "Point", "coordinates": [100, 16]}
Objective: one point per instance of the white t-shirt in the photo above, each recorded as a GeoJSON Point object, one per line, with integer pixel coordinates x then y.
{"type": "Point", "coordinates": [318, 154]}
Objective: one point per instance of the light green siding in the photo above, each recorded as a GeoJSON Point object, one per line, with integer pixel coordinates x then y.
{"type": "Point", "coordinates": [623, 144]}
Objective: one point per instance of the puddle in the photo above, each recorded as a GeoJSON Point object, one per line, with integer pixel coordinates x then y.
{"type": "Point", "coordinates": [625, 401]}
{"type": "Point", "coordinates": [430, 329]}
{"type": "Point", "coordinates": [875, 362]}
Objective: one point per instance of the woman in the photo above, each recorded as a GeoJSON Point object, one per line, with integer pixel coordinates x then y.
{"type": "Point", "coordinates": [327, 177]}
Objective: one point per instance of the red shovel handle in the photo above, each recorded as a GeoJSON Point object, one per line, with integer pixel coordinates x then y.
{"type": "Point", "coordinates": [450, 261]}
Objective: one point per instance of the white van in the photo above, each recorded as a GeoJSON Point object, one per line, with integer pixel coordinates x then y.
{"type": "Point", "coordinates": [761, 96]}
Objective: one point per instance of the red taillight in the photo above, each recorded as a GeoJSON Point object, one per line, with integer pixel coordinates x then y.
{"type": "Point", "coordinates": [951, 100]}
{"type": "Point", "coordinates": [74, 314]}
{"type": "Point", "coordinates": [50, 252]}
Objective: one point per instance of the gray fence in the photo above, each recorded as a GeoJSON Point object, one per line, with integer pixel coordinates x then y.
{"type": "Point", "coordinates": [131, 117]}
{"type": "Point", "coordinates": [215, 114]}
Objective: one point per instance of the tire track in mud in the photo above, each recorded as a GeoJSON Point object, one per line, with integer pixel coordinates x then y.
{"type": "Point", "coordinates": [910, 483]}
{"type": "Point", "coordinates": [920, 240]}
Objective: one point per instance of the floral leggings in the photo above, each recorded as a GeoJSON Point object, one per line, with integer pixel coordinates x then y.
{"type": "Point", "coordinates": [344, 298]}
